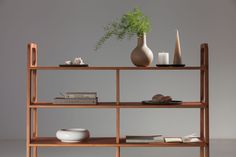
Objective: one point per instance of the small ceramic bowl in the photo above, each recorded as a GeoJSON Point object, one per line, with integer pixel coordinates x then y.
{"type": "Point", "coordinates": [72, 135]}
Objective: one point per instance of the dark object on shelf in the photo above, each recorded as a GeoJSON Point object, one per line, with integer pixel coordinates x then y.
{"type": "Point", "coordinates": [73, 65]}
{"type": "Point", "coordinates": [159, 98]}
{"type": "Point", "coordinates": [170, 65]}
{"type": "Point", "coordinates": [173, 102]}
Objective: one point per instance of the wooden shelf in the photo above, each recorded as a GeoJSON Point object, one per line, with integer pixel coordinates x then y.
{"type": "Point", "coordinates": [182, 105]}
{"type": "Point", "coordinates": [160, 144]}
{"type": "Point", "coordinates": [113, 105]}
{"type": "Point", "coordinates": [92, 142]}
{"type": "Point", "coordinates": [52, 105]}
{"type": "Point", "coordinates": [105, 142]}
{"type": "Point", "coordinates": [33, 141]}
{"type": "Point", "coordinates": [115, 68]}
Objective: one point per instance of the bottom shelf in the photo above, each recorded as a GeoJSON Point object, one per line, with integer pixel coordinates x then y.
{"type": "Point", "coordinates": [106, 142]}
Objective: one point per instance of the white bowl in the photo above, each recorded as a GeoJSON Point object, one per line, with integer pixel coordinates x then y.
{"type": "Point", "coordinates": [72, 135]}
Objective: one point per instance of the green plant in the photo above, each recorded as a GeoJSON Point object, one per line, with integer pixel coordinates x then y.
{"type": "Point", "coordinates": [130, 24]}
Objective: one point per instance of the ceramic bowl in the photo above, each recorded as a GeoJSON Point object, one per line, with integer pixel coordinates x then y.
{"type": "Point", "coordinates": [72, 135]}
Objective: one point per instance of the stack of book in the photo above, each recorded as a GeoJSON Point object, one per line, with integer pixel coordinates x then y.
{"type": "Point", "coordinates": [77, 98]}
{"type": "Point", "coordinates": [144, 139]}
{"type": "Point", "coordinates": [160, 138]}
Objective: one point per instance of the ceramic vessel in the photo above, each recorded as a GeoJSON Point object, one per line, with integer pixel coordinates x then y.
{"type": "Point", "coordinates": [177, 54]}
{"type": "Point", "coordinates": [72, 135]}
{"type": "Point", "coordinates": [142, 55]}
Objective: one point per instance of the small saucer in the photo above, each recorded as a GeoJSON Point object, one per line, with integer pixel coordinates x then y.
{"type": "Point", "coordinates": [173, 102]}
{"type": "Point", "coordinates": [170, 65]}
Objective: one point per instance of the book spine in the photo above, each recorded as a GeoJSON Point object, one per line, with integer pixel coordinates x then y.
{"type": "Point", "coordinates": [81, 96]}
{"type": "Point", "coordinates": [138, 141]}
{"type": "Point", "coordinates": [75, 101]}
{"type": "Point", "coordinates": [143, 141]}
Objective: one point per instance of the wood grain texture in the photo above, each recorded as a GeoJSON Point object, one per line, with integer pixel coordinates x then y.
{"type": "Point", "coordinates": [202, 95]}
{"type": "Point", "coordinates": [114, 68]}
{"type": "Point", "coordinates": [206, 64]}
{"type": "Point", "coordinates": [117, 104]}
{"type": "Point", "coordinates": [117, 151]}
{"type": "Point", "coordinates": [31, 61]}
{"type": "Point", "coordinates": [35, 130]}
{"type": "Point", "coordinates": [114, 105]}
{"type": "Point", "coordinates": [106, 142]}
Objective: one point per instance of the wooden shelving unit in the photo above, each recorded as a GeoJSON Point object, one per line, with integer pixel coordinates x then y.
{"type": "Point", "coordinates": [34, 141]}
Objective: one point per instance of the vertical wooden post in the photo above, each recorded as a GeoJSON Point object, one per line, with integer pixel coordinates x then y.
{"type": "Point", "coordinates": [34, 99]}
{"type": "Point", "coordinates": [118, 151]}
{"type": "Point", "coordinates": [117, 112]}
{"type": "Point", "coordinates": [205, 91]}
{"type": "Point", "coordinates": [35, 112]}
{"type": "Point", "coordinates": [202, 94]}
{"type": "Point", "coordinates": [31, 79]}
{"type": "Point", "coordinates": [35, 128]}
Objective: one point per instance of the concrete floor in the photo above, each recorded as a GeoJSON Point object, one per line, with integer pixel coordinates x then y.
{"type": "Point", "coordinates": [219, 148]}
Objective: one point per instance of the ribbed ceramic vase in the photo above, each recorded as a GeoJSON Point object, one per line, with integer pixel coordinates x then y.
{"type": "Point", "coordinates": [142, 55]}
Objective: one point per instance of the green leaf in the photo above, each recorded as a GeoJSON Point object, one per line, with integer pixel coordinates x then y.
{"type": "Point", "coordinates": [133, 23]}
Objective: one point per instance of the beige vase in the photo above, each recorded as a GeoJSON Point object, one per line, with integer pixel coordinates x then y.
{"type": "Point", "coordinates": [142, 55]}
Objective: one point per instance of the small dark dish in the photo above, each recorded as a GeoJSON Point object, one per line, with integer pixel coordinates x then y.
{"type": "Point", "coordinates": [170, 65]}
{"type": "Point", "coordinates": [150, 102]}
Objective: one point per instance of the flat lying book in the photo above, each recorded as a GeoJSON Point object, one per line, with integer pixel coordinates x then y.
{"type": "Point", "coordinates": [80, 95]}
{"type": "Point", "coordinates": [144, 139]}
{"type": "Point", "coordinates": [173, 140]}
{"type": "Point", "coordinates": [62, 100]}
{"type": "Point", "coordinates": [191, 140]}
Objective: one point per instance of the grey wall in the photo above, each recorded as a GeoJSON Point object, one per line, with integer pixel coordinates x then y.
{"type": "Point", "coordinates": [66, 29]}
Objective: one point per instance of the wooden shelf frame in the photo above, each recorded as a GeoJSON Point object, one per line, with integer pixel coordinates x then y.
{"type": "Point", "coordinates": [34, 141]}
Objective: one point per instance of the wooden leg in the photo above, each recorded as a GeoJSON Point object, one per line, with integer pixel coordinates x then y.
{"type": "Point", "coordinates": [35, 151]}
{"type": "Point", "coordinates": [207, 151]}
{"type": "Point", "coordinates": [28, 151]}
{"type": "Point", "coordinates": [117, 151]}
{"type": "Point", "coordinates": [117, 109]}
{"type": "Point", "coordinates": [202, 124]}
{"type": "Point", "coordinates": [35, 130]}
{"type": "Point", "coordinates": [202, 152]}
{"type": "Point", "coordinates": [28, 136]}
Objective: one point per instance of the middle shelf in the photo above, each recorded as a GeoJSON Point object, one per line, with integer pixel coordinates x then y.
{"type": "Point", "coordinates": [120, 105]}
{"type": "Point", "coordinates": [106, 142]}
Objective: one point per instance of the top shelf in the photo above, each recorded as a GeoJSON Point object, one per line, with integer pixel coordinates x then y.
{"type": "Point", "coordinates": [115, 68]}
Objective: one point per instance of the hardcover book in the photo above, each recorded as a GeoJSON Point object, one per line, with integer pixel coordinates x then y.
{"type": "Point", "coordinates": [173, 140]}
{"type": "Point", "coordinates": [62, 100]}
{"type": "Point", "coordinates": [81, 95]}
{"type": "Point", "coordinates": [144, 139]}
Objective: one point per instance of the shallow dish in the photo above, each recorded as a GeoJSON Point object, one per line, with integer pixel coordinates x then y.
{"type": "Point", "coordinates": [173, 102]}
{"type": "Point", "coordinates": [72, 135]}
{"type": "Point", "coordinates": [170, 65]}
